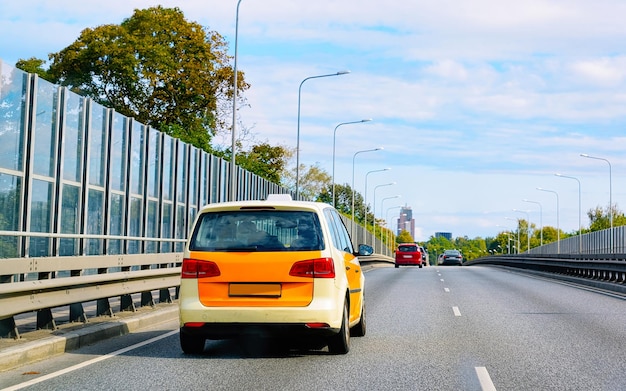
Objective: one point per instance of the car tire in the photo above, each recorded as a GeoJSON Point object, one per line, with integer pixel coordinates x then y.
{"type": "Point", "coordinates": [360, 328]}
{"type": "Point", "coordinates": [340, 342]}
{"type": "Point", "coordinates": [420, 265]}
{"type": "Point", "coordinates": [191, 344]}
{"type": "Point", "coordinates": [396, 266]}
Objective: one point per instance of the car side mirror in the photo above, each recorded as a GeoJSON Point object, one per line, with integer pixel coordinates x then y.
{"type": "Point", "coordinates": [365, 250]}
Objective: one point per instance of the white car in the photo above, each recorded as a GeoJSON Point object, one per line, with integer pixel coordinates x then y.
{"type": "Point", "coordinates": [278, 268]}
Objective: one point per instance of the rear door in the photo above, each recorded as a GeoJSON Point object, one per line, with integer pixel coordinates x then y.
{"type": "Point", "coordinates": [252, 250]}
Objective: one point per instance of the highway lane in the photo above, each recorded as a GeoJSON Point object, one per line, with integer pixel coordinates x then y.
{"type": "Point", "coordinates": [436, 328]}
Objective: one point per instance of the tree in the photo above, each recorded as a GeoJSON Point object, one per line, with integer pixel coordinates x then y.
{"type": "Point", "coordinates": [266, 161]}
{"type": "Point", "coordinates": [404, 237]}
{"type": "Point", "coordinates": [156, 67]}
{"type": "Point", "coordinates": [34, 65]}
{"type": "Point", "coordinates": [600, 218]}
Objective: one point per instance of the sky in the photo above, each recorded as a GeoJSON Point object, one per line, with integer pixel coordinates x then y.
{"type": "Point", "coordinates": [475, 103]}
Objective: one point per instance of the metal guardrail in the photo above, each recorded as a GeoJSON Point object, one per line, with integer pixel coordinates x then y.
{"type": "Point", "coordinates": [73, 280]}
{"type": "Point", "coordinates": [602, 270]}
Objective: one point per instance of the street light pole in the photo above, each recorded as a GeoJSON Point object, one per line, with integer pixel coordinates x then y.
{"type": "Point", "coordinates": [382, 202]}
{"type": "Point", "coordinates": [365, 194]}
{"type": "Point", "coordinates": [518, 241]}
{"type": "Point", "coordinates": [610, 192]}
{"type": "Point", "coordinates": [527, 227]}
{"type": "Point", "coordinates": [233, 166]}
{"type": "Point", "coordinates": [353, 161]}
{"type": "Point", "coordinates": [298, 133]}
{"type": "Point", "coordinates": [558, 229]}
{"type": "Point", "coordinates": [374, 208]}
{"type": "Point", "coordinates": [540, 219]}
{"type": "Point", "coordinates": [580, 224]}
{"type": "Point", "coordinates": [334, 137]}
{"type": "Point", "coordinates": [508, 233]}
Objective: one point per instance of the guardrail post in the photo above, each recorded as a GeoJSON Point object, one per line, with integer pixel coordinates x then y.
{"type": "Point", "coordinates": [77, 313]}
{"type": "Point", "coordinates": [126, 303]}
{"type": "Point", "coordinates": [8, 329]}
{"type": "Point", "coordinates": [147, 299]}
{"type": "Point", "coordinates": [165, 296]}
{"type": "Point", "coordinates": [103, 307]}
{"type": "Point", "coordinates": [45, 320]}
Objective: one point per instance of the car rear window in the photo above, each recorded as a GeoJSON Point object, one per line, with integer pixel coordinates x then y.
{"type": "Point", "coordinates": [407, 249]}
{"type": "Point", "coordinates": [257, 230]}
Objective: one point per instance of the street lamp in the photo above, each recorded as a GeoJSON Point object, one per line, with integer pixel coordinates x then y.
{"type": "Point", "coordinates": [610, 192]}
{"type": "Point", "coordinates": [353, 161]}
{"type": "Point", "coordinates": [508, 233]}
{"type": "Point", "coordinates": [518, 245]}
{"type": "Point", "coordinates": [580, 224]}
{"type": "Point", "coordinates": [233, 167]}
{"type": "Point", "coordinates": [527, 226]}
{"type": "Point", "coordinates": [382, 202]}
{"type": "Point", "coordinates": [365, 195]}
{"type": "Point", "coordinates": [388, 209]}
{"type": "Point", "coordinates": [298, 133]}
{"type": "Point", "coordinates": [334, 136]}
{"type": "Point", "coordinates": [558, 229]}
{"type": "Point", "coordinates": [540, 219]}
{"type": "Point", "coordinates": [374, 207]}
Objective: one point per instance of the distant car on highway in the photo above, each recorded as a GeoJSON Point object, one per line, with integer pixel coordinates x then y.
{"type": "Point", "coordinates": [451, 257]}
{"type": "Point", "coordinates": [408, 254]}
{"type": "Point", "coordinates": [277, 268]}
{"type": "Point", "coordinates": [424, 256]}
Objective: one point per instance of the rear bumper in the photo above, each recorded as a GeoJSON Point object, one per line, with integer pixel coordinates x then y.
{"type": "Point", "coordinates": [261, 330]}
{"type": "Point", "coordinates": [411, 262]}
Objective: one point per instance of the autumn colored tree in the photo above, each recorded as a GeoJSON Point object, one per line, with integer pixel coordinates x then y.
{"type": "Point", "coordinates": [156, 67]}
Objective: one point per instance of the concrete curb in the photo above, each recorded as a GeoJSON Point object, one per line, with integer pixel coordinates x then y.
{"type": "Point", "coordinates": [47, 347]}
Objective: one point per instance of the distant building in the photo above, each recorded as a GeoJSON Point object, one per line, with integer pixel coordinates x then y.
{"type": "Point", "coordinates": [406, 221]}
{"type": "Point", "coordinates": [447, 235]}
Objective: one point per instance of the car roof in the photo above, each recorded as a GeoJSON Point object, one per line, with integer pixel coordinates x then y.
{"type": "Point", "coordinates": [284, 203]}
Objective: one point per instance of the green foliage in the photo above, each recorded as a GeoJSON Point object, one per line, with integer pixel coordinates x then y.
{"type": "Point", "coordinates": [600, 218]}
{"type": "Point", "coordinates": [266, 161]}
{"type": "Point", "coordinates": [156, 67]}
{"type": "Point", "coordinates": [404, 237]}
{"type": "Point", "coordinates": [34, 65]}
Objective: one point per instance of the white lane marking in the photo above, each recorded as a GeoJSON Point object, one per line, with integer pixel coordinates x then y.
{"type": "Point", "coordinates": [446, 290]}
{"type": "Point", "coordinates": [441, 279]}
{"type": "Point", "coordinates": [456, 311]}
{"type": "Point", "coordinates": [87, 363]}
{"type": "Point", "coordinates": [485, 380]}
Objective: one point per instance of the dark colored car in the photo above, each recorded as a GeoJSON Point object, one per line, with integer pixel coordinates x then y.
{"type": "Point", "coordinates": [451, 257]}
{"type": "Point", "coordinates": [408, 254]}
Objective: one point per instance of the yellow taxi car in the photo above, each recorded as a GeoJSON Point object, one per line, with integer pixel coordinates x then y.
{"type": "Point", "coordinates": [271, 268]}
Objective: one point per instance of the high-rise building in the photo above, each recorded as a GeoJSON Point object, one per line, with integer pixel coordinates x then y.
{"type": "Point", "coordinates": [447, 235]}
{"type": "Point", "coordinates": [406, 221]}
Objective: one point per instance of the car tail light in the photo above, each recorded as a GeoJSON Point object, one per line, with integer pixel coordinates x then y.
{"type": "Point", "coordinates": [194, 324]}
{"type": "Point", "coordinates": [314, 268]}
{"type": "Point", "coordinates": [194, 268]}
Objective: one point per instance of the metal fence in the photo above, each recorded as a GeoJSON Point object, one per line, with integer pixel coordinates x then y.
{"type": "Point", "coordinates": [608, 241]}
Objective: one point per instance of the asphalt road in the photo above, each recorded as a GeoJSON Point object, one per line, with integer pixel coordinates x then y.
{"type": "Point", "coordinates": [436, 328]}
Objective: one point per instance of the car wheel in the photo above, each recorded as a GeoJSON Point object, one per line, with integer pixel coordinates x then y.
{"type": "Point", "coordinates": [191, 344]}
{"type": "Point", "coordinates": [396, 266]}
{"type": "Point", "coordinates": [359, 329]}
{"type": "Point", "coordinates": [340, 342]}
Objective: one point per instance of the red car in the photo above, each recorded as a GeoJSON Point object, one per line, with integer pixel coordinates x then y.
{"type": "Point", "coordinates": [408, 254]}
